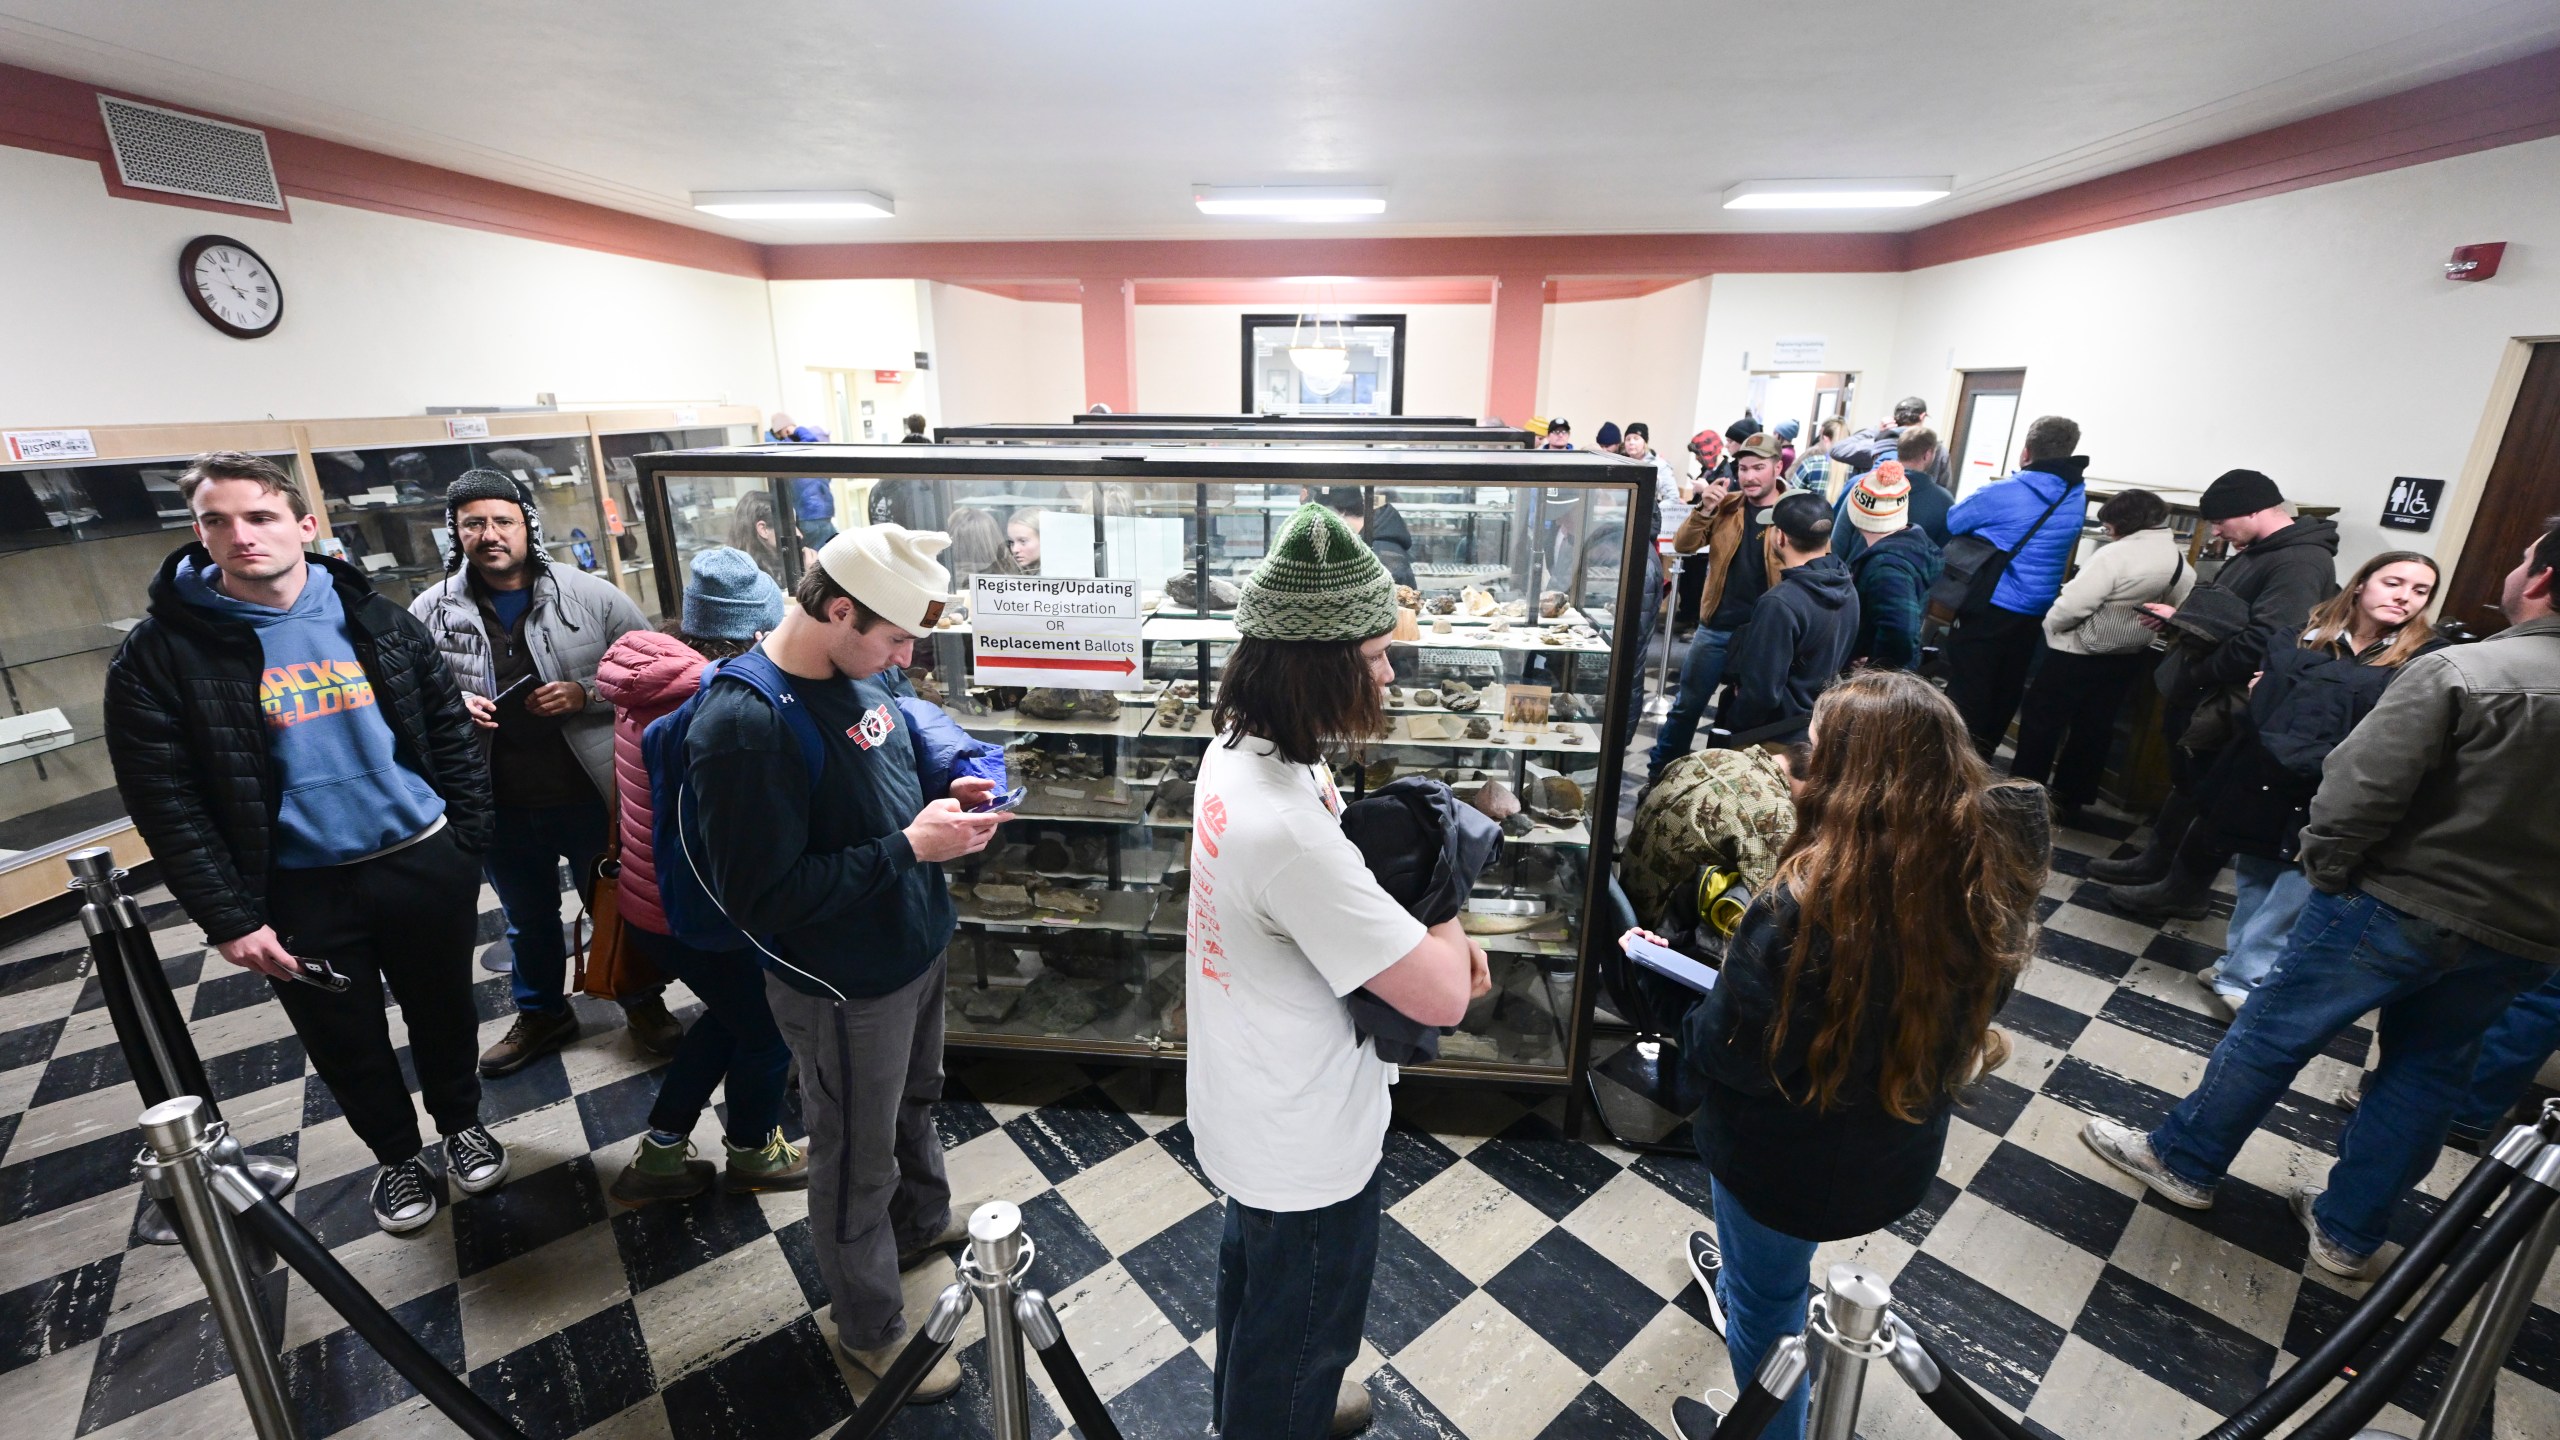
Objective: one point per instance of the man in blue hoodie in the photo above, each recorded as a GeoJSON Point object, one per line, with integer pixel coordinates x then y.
{"type": "Point", "coordinates": [1799, 632]}
{"type": "Point", "coordinates": [2034, 517]}
{"type": "Point", "coordinates": [298, 758]}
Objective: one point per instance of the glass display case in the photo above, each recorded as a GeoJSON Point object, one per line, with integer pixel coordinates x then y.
{"type": "Point", "coordinates": [386, 502]}
{"type": "Point", "coordinates": [626, 529]}
{"type": "Point", "coordinates": [1071, 926]}
{"type": "Point", "coordinates": [1387, 433]}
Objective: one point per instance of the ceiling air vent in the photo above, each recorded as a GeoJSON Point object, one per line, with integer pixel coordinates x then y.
{"type": "Point", "coordinates": [182, 154]}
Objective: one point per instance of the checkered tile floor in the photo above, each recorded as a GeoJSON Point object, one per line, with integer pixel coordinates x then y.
{"type": "Point", "coordinates": [1529, 1286]}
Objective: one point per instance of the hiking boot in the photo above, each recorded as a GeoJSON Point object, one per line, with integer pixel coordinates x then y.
{"type": "Point", "coordinates": [2174, 896]}
{"type": "Point", "coordinates": [2138, 869]}
{"type": "Point", "coordinates": [777, 1164]}
{"type": "Point", "coordinates": [938, 1382]}
{"type": "Point", "coordinates": [475, 1161]}
{"type": "Point", "coordinates": [1351, 1410]}
{"type": "Point", "coordinates": [660, 1172]}
{"type": "Point", "coordinates": [653, 1028]}
{"type": "Point", "coordinates": [2129, 1150]}
{"type": "Point", "coordinates": [2331, 1256]}
{"type": "Point", "coordinates": [1706, 1263]}
{"type": "Point", "coordinates": [533, 1036]}
{"type": "Point", "coordinates": [404, 1196]}
{"type": "Point", "coordinates": [954, 1231]}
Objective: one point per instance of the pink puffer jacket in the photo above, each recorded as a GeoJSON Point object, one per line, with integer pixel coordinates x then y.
{"type": "Point", "coordinates": [645, 675]}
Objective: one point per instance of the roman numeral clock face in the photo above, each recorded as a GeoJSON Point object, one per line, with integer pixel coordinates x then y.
{"type": "Point", "coordinates": [234, 290]}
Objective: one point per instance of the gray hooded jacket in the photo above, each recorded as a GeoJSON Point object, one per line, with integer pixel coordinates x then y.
{"type": "Point", "coordinates": [575, 617]}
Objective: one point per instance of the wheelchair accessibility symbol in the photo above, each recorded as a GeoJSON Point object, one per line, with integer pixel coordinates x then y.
{"type": "Point", "coordinates": [2412, 504]}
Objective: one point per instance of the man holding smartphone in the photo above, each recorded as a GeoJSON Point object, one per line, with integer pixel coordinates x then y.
{"type": "Point", "coordinates": [299, 760]}
{"type": "Point", "coordinates": [524, 637]}
{"type": "Point", "coordinates": [843, 880]}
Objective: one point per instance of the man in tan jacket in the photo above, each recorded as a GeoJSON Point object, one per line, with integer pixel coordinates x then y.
{"type": "Point", "coordinates": [1730, 523]}
{"type": "Point", "coordinates": [2433, 843]}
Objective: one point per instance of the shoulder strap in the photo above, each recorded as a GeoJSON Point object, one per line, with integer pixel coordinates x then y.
{"type": "Point", "coordinates": [2067, 488]}
{"type": "Point", "coordinates": [758, 673]}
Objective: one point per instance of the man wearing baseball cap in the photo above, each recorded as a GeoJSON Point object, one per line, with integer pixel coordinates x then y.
{"type": "Point", "coordinates": [844, 879]}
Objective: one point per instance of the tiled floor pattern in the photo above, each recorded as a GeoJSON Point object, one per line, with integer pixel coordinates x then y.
{"type": "Point", "coordinates": [1529, 1286]}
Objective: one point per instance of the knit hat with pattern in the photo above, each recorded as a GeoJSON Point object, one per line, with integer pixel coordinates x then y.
{"type": "Point", "coordinates": [1880, 503]}
{"type": "Point", "coordinates": [493, 485]}
{"type": "Point", "coordinates": [1320, 582]}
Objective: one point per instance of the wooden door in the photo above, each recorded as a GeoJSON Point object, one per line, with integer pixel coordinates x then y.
{"type": "Point", "coordinates": [2517, 501]}
{"type": "Point", "coordinates": [1984, 438]}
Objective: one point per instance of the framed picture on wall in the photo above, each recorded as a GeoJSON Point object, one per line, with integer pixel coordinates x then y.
{"type": "Point", "coordinates": [1323, 364]}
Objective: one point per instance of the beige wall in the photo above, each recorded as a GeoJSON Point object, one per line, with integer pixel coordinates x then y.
{"type": "Point", "coordinates": [1622, 360]}
{"type": "Point", "coordinates": [1190, 357]}
{"type": "Point", "coordinates": [1000, 360]}
{"type": "Point", "coordinates": [858, 325]}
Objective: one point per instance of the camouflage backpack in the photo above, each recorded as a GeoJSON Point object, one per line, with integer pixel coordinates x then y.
{"type": "Point", "coordinates": [1715, 807]}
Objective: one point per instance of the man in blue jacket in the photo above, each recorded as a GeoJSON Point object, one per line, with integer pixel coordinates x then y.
{"type": "Point", "coordinates": [844, 877]}
{"type": "Point", "coordinates": [2034, 516]}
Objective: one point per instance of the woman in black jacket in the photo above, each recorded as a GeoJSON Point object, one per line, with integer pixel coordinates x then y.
{"type": "Point", "coordinates": [2252, 803]}
{"type": "Point", "coordinates": [1856, 1000]}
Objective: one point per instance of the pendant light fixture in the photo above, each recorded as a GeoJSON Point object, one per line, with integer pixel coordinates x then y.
{"type": "Point", "coordinates": [1322, 367]}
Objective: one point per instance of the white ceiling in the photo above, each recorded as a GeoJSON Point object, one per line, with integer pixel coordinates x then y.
{"type": "Point", "coordinates": [1075, 119]}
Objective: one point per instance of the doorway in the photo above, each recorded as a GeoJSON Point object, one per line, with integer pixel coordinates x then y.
{"type": "Point", "coordinates": [1807, 397]}
{"type": "Point", "coordinates": [2521, 493]}
{"type": "Point", "coordinates": [1985, 432]}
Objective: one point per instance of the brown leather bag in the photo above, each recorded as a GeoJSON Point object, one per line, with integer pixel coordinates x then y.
{"type": "Point", "coordinates": [609, 966]}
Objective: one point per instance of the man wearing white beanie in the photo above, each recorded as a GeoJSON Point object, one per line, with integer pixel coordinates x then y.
{"type": "Point", "coordinates": [841, 881]}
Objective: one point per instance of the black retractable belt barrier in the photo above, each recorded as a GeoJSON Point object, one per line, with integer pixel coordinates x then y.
{"type": "Point", "coordinates": [931, 1343]}
{"type": "Point", "coordinates": [1948, 1395]}
{"type": "Point", "coordinates": [1779, 1374]}
{"type": "Point", "coordinates": [1048, 1340]}
{"type": "Point", "coordinates": [2296, 1386]}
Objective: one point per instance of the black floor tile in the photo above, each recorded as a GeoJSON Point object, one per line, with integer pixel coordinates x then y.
{"type": "Point", "coordinates": [619, 1109]}
{"type": "Point", "coordinates": [2057, 1201]}
{"type": "Point", "coordinates": [544, 1082]}
{"type": "Point", "coordinates": [57, 1312]}
{"type": "Point", "coordinates": [1402, 1413]}
{"type": "Point", "coordinates": [156, 1360]}
{"type": "Point", "coordinates": [245, 1072]}
{"type": "Point", "coordinates": [2153, 1019]}
{"type": "Point", "coordinates": [34, 972]}
{"type": "Point", "coordinates": [1996, 1343]}
{"type": "Point", "coordinates": [665, 1238]}
{"type": "Point", "coordinates": [337, 1210]}
{"type": "Point", "coordinates": [963, 1416]}
{"type": "Point", "coordinates": [1178, 1268]}
{"type": "Point", "coordinates": [1993, 1103]}
{"type": "Point", "coordinates": [1068, 1250]}
{"type": "Point", "coordinates": [2258, 1221]}
{"type": "Point", "coordinates": [234, 990]}
{"type": "Point", "coordinates": [960, 1121]}
{"type": "Point", "coordinates": [1595, 1414]}
{"type": "Point", "coordinates": [1413, 1288]}
{"type": "Point", "coordinates": [525, 1214]}
{"type": "Point", "coordinates": [1575, 1298]}
{"type": "Point", "coordinates": [2040, 1019]}
{"type": "Point", "coordinates": [785, 1383]}
{"type": "Point", "coordinates": [2179, 953]}
{"type": "Point", "coordinates": [2308, 1120]}
{"type": "Point", "coordinates": [70, 1076]}
{"type": "Point", "coordinates": [339, 1379]}
{"type": "Point", "coordinates": [1534, 1161]}
{"type": "Point", "coordinates": [2191, 1350]}
{"type": "Point", "coordinates": [2083, 1086]}
{"type": "Point", "coordinates": [66, 1176]}
{"type": "Point", "coordinates": [802, 1253]}
{"type": "Point", "coordinates": [1684, 1176]}
{"type": "Point", "coordinates": [2086, 956]}
{"type": "Point", "coordinates": [1412, 1158]}
{"type": "Point", "coordinates": [30, 1044]}
{"type": "Point", "coordinates": [1073, 1134]}
{"type": "Point", "coordinates": [1176, 1140]}
{"type": "Point", "coordinates": [573, 1378]}
{"type": "Point", "coordinates": [1171, 1402]}
{"type": "Point", "coordinates": [1915, 1227]}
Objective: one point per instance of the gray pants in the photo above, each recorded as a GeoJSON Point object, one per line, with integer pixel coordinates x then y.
{"type": "Point", "coordinates": [870, 1071]}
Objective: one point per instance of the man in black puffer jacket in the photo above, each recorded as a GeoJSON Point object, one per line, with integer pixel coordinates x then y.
{"type": "Point", "coordinates": [297, 757]}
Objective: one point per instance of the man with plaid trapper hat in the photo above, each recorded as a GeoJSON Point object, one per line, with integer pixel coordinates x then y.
{"type": "Point", "coordinates": [1287, 1102]}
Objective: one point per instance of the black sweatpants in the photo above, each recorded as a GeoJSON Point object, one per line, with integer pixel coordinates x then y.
{"type": "Point", "coordinates": [406, 919]}
{"type": "Point", "coordinates": [1988, 657]}
{"type": "Point", "coordinates": [2069, 719]}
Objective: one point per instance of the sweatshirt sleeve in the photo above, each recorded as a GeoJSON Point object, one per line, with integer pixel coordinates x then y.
{"type": "Point", "coordinates": [2369, 779]}
{"type": "Point", "coordinates": [2083, 595]}
{"type": "Point", "coordinates": [750, 791]}
{"type": "Point", "coordinates": [1763, 655]}
{"type": "Point", "coordinates": [1726, 1034]}
{"type": "Point", "coordinates": [1892, 593]}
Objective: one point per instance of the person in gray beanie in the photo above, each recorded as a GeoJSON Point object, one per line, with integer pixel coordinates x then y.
{"type": "Point", "coordinates": [523, 637]}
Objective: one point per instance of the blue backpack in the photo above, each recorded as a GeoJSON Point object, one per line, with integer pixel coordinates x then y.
{"type": "Point", "coordinates": [694, 914]}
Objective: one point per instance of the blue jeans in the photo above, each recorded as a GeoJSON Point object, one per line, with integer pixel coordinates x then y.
{"type": "Point", "coordinates": [1293, 1294]}
{"type": "Point", "coordinates": [526, 847]}
{"type": "Point", "coordinates": [2270, 898]}
{"type": "Point", "coordinates": [2438, 991]}
{"type": "Point", "coordinates": [734, 1039]}
{"type": "Point", "coordinates": [1699, 676]}
{"type": "Point", "coordinates": [2511, 1054]}
{"type": "Point", "coordinates": [1764, 1288]}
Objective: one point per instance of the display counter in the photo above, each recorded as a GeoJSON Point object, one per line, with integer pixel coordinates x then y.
{"type": "Point", "coordinates": [1364, 431]}
{"type": "Point", "coordinates": [1071, 926]}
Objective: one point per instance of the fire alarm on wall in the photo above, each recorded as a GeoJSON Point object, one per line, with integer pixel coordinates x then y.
{"type": "Point", "coordinates": [2474, 262]}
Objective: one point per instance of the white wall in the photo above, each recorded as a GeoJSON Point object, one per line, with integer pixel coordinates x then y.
{"type": "Point", "coordinates": [1190, 357]}
{"type": "Point", "coordinates": [843, 325]}
{"type": "Point", "coordinates": [1855, 315]}
{"type": "Point", "coordinates": [383, 315]}
{"type": "Point", "coordinates": [1622, 360]}
{"type": "Point", "coordinates": [1002, 360]}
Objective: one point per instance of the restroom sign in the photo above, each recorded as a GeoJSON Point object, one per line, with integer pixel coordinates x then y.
{"type": "Point", "coordinates": [2411, 503]}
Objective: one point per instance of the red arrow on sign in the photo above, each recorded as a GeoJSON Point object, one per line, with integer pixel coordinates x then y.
{"type": "Point", "coordinates": [1124, 665]}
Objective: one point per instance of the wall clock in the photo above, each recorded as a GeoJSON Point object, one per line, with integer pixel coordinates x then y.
{"type": "Point", "coordinates": [234, 290]}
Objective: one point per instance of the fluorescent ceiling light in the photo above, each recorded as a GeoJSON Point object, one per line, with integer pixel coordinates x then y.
{"type": "Point", "coordinates": [1291, 202]}
{"type": "Point", "coordinates": [794, 204]}
{"type": "Point", "coordinates": [1837, 194]}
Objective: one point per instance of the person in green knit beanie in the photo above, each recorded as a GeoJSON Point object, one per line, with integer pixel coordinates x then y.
{"type": "Point", "coordinates": [1287, 1102]}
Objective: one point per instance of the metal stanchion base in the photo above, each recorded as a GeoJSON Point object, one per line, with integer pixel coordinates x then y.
{"type": "Point", "coordinates": [274, 1176]}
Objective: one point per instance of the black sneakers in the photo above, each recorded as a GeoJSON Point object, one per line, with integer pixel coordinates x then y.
{"type": "Point", "coordinates": [475, 1160]}
{"type": "Point", "coordinates": [1706, 1263]}
{"type": "Point", "coordinates": [404, 1196]}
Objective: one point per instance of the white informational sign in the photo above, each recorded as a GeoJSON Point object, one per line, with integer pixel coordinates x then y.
{"type": "Point", "coordinates": [1142, 545]}
{"type": "Point", "coordinates": [467, 427]}
{"type": "Point", "coordinates": [1986, 441]}
{"type": "Point", "coordinates": [1799, 352]}
{"type": "Point", "coordinates": [1066, 543]}
{"type": "Point", "coordinates": [687, 415]}
{"type": "Point", "coordinates": [24, 445]}
{"type": "Point", "coordinates": [1071, 632]}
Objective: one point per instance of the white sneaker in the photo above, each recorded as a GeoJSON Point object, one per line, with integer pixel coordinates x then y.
{"type": "Point", "coordinates": [2129, 1150]}
{"type": "Point", "coordinates": [405, 1196]}
{"type": "Point", "coordinates": [2330, 1255]}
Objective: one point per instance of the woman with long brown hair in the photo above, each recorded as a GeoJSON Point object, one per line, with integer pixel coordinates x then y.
{"type": "Point", "coordinates": [1856, 999]}
{"type": "Point", "coordinates": [2251, 806]}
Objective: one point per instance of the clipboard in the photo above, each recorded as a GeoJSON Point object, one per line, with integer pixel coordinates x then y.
{"type": "Point", "coordinates": [1665, 961]}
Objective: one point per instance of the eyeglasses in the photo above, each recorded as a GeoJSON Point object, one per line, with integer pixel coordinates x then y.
{"type": "Point", "coordinates": [482, 525]}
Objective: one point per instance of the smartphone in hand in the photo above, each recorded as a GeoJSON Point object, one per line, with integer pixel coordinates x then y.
{"type": "Point", "coordinates": [1002, 800]}
{"type": "Point", "coordinates": [510, 701]}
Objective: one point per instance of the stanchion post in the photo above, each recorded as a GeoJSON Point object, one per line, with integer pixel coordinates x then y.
{"type": "Point", "coordinates": [174, 1168]}
{"type": "Point", "coordinates": [997, 1254]}
{"type": "Point", "coordinates": [1849, 1318]}
{"type": "Point", "coordinates": [2495, 1322]}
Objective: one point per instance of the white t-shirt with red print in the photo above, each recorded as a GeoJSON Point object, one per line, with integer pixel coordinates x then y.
{"type": "Point", "coordinates": [1288, 1106]}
